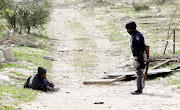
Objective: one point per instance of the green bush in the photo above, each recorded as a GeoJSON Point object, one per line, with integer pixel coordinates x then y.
{"type": "Point", "coordinates": [8, 12]}
{"type": "Point", "coordinates": [25, 15]}
{"type": "Point", "coordinates": [21, 94]}
{"type": "Point", "coordinates": [2, 27]}
{"type": "Point", "coordinates": [5, 4]}
{"type": "Point", "coordinates": [32, 15]}
{"type": "Point", "coordinates": [139, 7]}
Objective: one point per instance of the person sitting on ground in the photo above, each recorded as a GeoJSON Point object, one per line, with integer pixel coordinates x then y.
{"type": "Point", "coordinates": [39, 82]}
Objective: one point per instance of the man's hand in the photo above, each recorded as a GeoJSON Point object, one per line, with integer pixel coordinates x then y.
{"type": "Point", "coordinates": [51, 84]}
{"type": "Point", "coordinates": [49, 88]}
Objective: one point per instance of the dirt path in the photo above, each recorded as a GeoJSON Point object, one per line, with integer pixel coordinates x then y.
{"type": "Point", "coordinates": [73, 95]}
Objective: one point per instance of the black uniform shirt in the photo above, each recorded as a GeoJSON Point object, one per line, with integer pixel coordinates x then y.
{"type": "Point", "coordinates": [137, 43]}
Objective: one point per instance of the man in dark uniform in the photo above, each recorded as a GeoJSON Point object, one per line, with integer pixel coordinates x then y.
{"type": "Point", "coordinates": [39, 81]}
{"type": "Point", "coordinates": [138, 50]}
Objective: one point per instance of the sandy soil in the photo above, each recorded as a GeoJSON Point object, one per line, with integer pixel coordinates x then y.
{"type": "Point", "coordinates": [73, 95]}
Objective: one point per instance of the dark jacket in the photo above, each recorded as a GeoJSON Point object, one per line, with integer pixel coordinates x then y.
{"type": "Point", "coordinates": [137, 43]}
{"type": "Point", "coordinates": [36, 83]}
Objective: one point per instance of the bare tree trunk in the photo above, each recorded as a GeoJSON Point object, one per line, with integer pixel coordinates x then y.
{"type": "Point", "coordinates": [29, 30]}
{"type": "Point", "coordinates": [92, 4]}
{"type": "Point", "coordinates": [169, 35]}
{"type": "Point", "coordinates": [133, 2]}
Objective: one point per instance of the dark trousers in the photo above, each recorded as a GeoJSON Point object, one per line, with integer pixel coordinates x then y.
{"type": "Point", "coordinates": [139, 71]}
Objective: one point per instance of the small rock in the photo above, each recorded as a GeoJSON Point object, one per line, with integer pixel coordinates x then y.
{"type": "Point", "coordinates": [99, 103]}
{"type": "Point", "coordinates": [66, 76]}
{"type": "Point", "coordinates": [48, 58]}
{"type": "Point", "coordinates": [110, 107]}
{"type": "Point", "coordinates": [52, 44]}
{"type": "Point", "coordinates": [45, 105]}
{"type": "Point", "coordinates": [3, 77]}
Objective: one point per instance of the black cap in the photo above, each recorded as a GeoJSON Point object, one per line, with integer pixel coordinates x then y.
{"type": "Point", "coordinates": [41, 71]}
{"type": "Point", "coordinates": [131, 25]}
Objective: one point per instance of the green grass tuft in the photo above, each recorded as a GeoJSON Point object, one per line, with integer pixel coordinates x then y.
{"type": "Point", "coordinates": [84, 60]}
{"type": "Point", "coordinates": [86, 43]}
{"type": "Point", "coordinates": [77, 27]}
{"type": "Point", "coordinates": [178, 87]}
{"type": "Point", "coordinates": [82, 39]}
{"type": "Point", "coordinates": [174, 82]}
{"type": "Point", "coordinates": [16, 65]}
{"type": "Point", "coordinates": [16, 73]}
{"type": "Point", "coordinates": [7, 108]}
{"type": "Point", "coordinates": [33, 56]}
{"type": "Point", "coordinates": [21, 94]}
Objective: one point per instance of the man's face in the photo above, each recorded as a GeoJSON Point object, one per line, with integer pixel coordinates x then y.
{"type": "Point", "coordinates": [43, 76]}
{"type": "Point", "coordinates": [130, 31]}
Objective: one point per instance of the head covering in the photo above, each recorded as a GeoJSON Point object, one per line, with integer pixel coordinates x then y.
{"type": "Point", "coordinates": [131, 25]}
{"type": "Point", "coordinates": [41, 71]}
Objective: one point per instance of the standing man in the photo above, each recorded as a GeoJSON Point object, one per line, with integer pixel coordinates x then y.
{"type": "Point", "coordinates": [138, 48]}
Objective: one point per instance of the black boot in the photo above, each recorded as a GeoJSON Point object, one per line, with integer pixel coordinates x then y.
{"type": "Point", "coordinates": [137, 92]}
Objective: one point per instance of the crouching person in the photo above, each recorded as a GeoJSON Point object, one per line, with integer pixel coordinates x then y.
{"type": "Point", "coordinates": [39, 82]}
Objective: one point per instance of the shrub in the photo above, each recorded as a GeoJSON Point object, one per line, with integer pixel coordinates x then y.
{"type": "Point", "coordinates": [28, 40]}
{"type": "Point", "coordinates": [139, 7]}
{"type": "Point", "coordinates": [32, 15]}
{"type": "Point", "coordinates": [25, 15]}
{"type": "Point", "coordinates": [3, 26]}
{"type": "Point", "coordinates": [8, 12]}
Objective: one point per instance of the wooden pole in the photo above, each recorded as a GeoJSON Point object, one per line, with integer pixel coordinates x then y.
{"type": "Point", "coordinates": [174, 43]}
{"type": "Point", "coordinates": [104, 81]}
{"type": "Point", "coordinates": [165, 47]}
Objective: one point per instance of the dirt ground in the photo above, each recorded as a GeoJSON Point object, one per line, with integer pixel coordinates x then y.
{"type": "Point", "coordinates": [73, 95]}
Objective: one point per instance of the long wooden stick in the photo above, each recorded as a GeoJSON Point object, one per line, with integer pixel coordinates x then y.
{"type": "Point", "coordinates": [104, 81]}
{"type": "Point", "coordinates": [155, 67]}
